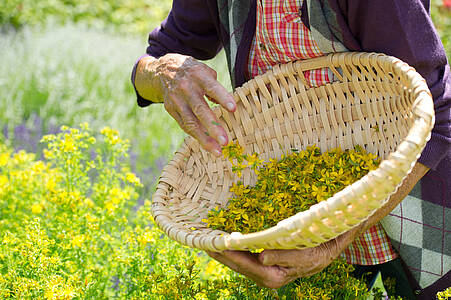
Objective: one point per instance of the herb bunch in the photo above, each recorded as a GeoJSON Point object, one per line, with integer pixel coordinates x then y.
{"type": "Point", "coordinates": [287, 186]}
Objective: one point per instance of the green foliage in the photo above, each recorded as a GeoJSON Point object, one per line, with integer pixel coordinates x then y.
{"type": "Point", "coordinates": [136, 17]}
{"type": "Point", "coordinates": [332, 283]}
{"type": "Point", "coordinates": [52, 76]}
{"type": "Point", "coordinates": [62, 231]}
{"type": "Point", "coordinates": [44, 86]}
{"type": "Point", "coordinates": [441, 16]}
{"type": "Point", "coordinates": [70, 229]}
{"type": "Point", "coordinates": [286, 186]}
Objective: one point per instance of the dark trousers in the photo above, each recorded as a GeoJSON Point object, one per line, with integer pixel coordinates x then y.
{"type": "Point", "coordinates": [391, 269]}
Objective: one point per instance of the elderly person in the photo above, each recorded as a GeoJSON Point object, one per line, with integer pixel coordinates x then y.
{"type": "Point", "coordinates": [407, 239]}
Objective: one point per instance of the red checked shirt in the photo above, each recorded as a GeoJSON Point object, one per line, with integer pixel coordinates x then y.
{"type": "Point", "coordinates": [281, 37]}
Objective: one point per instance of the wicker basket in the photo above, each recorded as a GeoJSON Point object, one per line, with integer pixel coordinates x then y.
{"type": "Point", "coordinates": [377, 101]}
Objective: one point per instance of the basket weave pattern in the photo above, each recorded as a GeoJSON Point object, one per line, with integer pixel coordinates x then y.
{"type": "Point", "coordinates": [377, 101]}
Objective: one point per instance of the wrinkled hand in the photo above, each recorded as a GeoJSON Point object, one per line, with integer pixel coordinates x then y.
{"type": "Point", "coordinates": [276, 268]}
{"type": "Point", "coordinates": [183, 82]}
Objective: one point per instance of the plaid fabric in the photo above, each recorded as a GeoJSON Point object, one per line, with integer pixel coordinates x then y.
{"type": "Point", "coordinates": [421, 230]}
{"type": "Point", "coordinates": [281, 37]}
{"type": "Point", "coordinates": [371, 248]}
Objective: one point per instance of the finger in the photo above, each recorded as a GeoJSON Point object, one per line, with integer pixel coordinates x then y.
{"type": "Point", "coordinates": [240, 261]}
{"type": "Point", "coordinates": [293, 273]}
{"type": "Point", "coordinates": [298, 272]}
{"type": "Point", "coordinates": [213, 89]}
{"type": "Point", "coordinates": [296, 263]}
{"type": "Point", "coordinates": [207, 79]}
{"type": "Point", "coordinates": [300, 263]}
{"type": "Point", "coordinates": [190, 124]}
{"type": "Point", "coordinates": [206, 116]}
{"type": "Point", "coordinates": [247, 264]}
{"type": "Point", "coordinates": [286, 258]}
{"type": "Point", "coordinates": [191, 93]}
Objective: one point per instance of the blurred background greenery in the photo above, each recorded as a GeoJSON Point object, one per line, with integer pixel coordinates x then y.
{"type": "Point", "coordinates": [67, 61]}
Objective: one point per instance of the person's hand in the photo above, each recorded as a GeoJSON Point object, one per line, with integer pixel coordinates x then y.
{"type": "Point", "coordinates": [184, 83]}
{"type": "Point", "coordinates": [276, 268]}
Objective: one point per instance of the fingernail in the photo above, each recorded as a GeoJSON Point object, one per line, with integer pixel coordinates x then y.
{"type": "Point", "coordinates": [230, 106]}
{"type": "Point", "coordinates": [222, 140]}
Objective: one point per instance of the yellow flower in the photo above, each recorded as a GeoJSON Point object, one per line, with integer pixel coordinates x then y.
{"type": "Point", "coordinates": [89, 202]}
{"type": "Point", "coordinates": [38, 167]}
{"type": "Point", "coordinates": [267, 207]}
{"type": "Point", "coordinates": [59, 290]}
{"type": "Point", "coordinates": [145, 238]}
{"type": "Point", "coordinates": [112, 135]}
{"type": "Point", "coordinates": [78, 240]}
{"type": "Point", "coordinates": [37, 208]}
{"type": "Point", "coordinates": [318, 192]}
{"type": "Point", "coordinates": [4, 157]}
{"type": "Point", "coordinates": [444, 295]}
{"type": "Point", "coordinates": [253, 161]}
{"type": "Point", "coordinates": [91, 219]}
{"type": "Point", "coordinates": [211, 266]}
{"type": "Point", "coordinates": [233, 150]}
{"type": "Point", "coordinates": [109, 205]}
{"type": "Point", "coordinates": [68, 143]}
{"type": "Point", "coordinates": [238, 189]}
{"type": "Point", "coordinates": [22, 157]}
{"type": "Point", "coordinates": [131, 177]}
{"type": "Point", "coordinates": [3, 181]}
{"type": "Point", "coordinates": [84, 126]}
{"type": "Point", "coordinates": [9, 238]}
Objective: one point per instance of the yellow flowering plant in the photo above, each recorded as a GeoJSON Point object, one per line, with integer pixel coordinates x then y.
{"type": "Point", "coordinates": [71, 227]}
{"type": "Point", "coordinates": [444, 295]}
{"type": "Point", "coordinates": [290, 185]}
{"type": "Point", "coordinates": [287, 186]}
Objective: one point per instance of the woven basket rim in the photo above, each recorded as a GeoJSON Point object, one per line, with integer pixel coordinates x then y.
{"type": "Point", "coordinates": [411, 146]}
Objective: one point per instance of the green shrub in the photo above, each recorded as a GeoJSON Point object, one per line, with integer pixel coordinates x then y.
{"type": "Point", "coordinates": [136, 17]}
{"type": "Point", "coordinates": [70, 227]}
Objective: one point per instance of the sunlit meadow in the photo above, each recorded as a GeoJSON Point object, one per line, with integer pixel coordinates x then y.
{"type": "Point", "coordinates": [75, 219]}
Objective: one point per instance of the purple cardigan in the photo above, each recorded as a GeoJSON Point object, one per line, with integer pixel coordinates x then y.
{"type": "Point", "coordinates": [406, 31]}
{"type": "Point", "coordinates": [401, 28]}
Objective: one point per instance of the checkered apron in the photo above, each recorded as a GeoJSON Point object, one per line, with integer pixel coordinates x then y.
{"type": "Point", "coordinates": [281, 37]}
